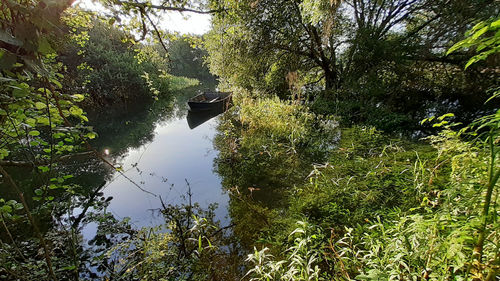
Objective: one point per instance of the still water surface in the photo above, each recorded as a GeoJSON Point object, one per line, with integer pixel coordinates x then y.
{"type": "Point", "coordinates": [166, 162]}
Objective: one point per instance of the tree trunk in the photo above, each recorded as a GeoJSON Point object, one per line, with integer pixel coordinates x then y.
{"type": "Point", "coordinates": [331, 82]}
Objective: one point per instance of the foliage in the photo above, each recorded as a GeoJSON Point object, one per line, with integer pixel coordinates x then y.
{"type": "Point", "coordinates": [35, 123]}
{"type": "Point", "coordinates": [408, 211]}
{"type": "Point", "coordinates": [264, 151]}
{"type": "Point", "coordinates": [439, 243]}
{"type": "Point", "coordinates": [373, 59]}
{"type": "Point", "coordinates": [273, 122]}
{"type": "Point", "coordinates": [394, 209]}
{"type": "Point", "coordinates": [115, 69]}
{"type": "Point", "coordinates": [406, 215]}
{"type": "Point", "coordinates": [187, 247]}
{"type": "Point", "coordinates": [268, 135]}
{"type": "Point", "coordinates": [187, 59]}
{"type": "Point", "coordinates": [300, 261]}
{"type": "Point", "coordinates": [43, 128]}
{"type": "Point", "coordinates": [453, 234]}
{"type": "Point", "coordinates": [485, 45]}
{"type": "Point", "coordinates": [368, 176]}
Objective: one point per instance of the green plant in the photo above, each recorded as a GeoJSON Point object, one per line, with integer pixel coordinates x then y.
{"type": "Point", "coordinates": [300, 261]}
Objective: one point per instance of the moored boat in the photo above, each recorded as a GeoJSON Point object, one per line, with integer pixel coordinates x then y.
{"type": "Point", "coordinates": [210, 101]}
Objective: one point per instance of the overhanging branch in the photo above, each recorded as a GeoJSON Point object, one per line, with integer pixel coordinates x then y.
{"type": "Point", "coordinates": [169, 8]}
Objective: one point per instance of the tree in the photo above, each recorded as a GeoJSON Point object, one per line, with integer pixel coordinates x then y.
{"type": "Point", "coordinates": [187, 59]}
{"type": "Point", "coordinates": [144, 16]}
{"type": "Point", "coordinates": [387, 57]}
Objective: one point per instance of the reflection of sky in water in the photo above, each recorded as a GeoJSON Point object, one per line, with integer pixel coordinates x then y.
{"type": "Point", "coordinates": [176, 154]}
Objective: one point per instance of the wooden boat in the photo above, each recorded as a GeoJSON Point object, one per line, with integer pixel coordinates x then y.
{"type": "Point", "coordinates": [210, 101]}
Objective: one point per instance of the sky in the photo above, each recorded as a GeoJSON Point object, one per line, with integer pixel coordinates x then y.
{"type": "Point", "coordinates": [196, 23]}
{"type": "Point", "coordinates": [184, 23]}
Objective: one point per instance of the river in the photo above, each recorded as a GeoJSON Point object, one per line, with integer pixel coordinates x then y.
{"type": "Point", "coordinates": [166, 159]}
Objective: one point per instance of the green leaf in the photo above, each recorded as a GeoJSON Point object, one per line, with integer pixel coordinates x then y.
{"type": "Point", "coordinates": [471, 61]}
{"type": "Point", "coordinates": [20, 92]}
{"type": "Point", "coordinates": [480, 32]}
{"type": "Point", "coordinates": [57, 83]}
{"type": "Point", "coordinates": [43, 120]}
{"type": "Point", "coordinates": [44, 169]}
{"type": "Point", "coordinates": [495, 24]}
{"type": "Point", "coordinates": [58, 135]}
{"type": "Point", "coordinates": [455, 47]}
{"type": "Point", "coordinates": [3, 153]}
{"type": "Point", "coordinates": [71, 267]}
{"type": "Point", "coordinates": [91, 135]}
{"type": "Point", "coordinates": [31, 122]}
{"type": "Point", "coordinates": [76, 111]}
{"type": "Point", "coordinates": [442, 123]}
{"type": "Point", "coordinates": [6, 209]}
{"type": "Point", "coordinates": [34, 133]}
{"type": "Point", "coordinates": [40, 105]}
{"type": "Point", "coordinates": [442, 117]}
{"type": "Point", "coordinates": [44, 46]}
{"type": "Point", "coordinates": [78, 97]}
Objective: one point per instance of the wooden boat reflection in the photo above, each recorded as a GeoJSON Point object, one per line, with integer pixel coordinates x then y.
{"type": "Point", "coordinates": [197, 118]}
{"type": "Point", "coordinates": [210, 101]}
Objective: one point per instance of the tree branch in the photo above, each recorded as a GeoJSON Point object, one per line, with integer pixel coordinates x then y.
{"type": "Point", "coordinates": [169, 8]}
{"type": "Point", "coordinates": [39, 163]}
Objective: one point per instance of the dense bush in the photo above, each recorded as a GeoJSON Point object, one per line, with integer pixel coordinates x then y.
{"type": "Point", "coordinates": [105, 63]}
{"type": "Point", "coordinates": [273, 139]}
{"type": "Point", "coordinates": [266, 147]}
{"type": "Point", "coordinates": [450, 233]}
{"type": "Point", "coordinates": [367, 176]}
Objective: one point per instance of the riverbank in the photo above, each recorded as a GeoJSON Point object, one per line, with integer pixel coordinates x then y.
{"type": "Point", "coordinates": [372, 206]}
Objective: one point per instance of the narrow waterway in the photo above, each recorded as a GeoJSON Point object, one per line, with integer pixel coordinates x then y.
{"type": "Point", "coordinates": [166, 159]}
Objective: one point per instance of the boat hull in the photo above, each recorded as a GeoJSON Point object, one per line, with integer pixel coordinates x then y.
{"type": "Point", "coordinates": [202, 102]}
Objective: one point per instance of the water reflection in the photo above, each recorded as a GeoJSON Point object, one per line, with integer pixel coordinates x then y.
{"type": "Point", "coordinates": [158, 152]}
{"type": "Point", "coordinates": [195, 119]}
{"type": "Point", "coordinates": [162, 167]}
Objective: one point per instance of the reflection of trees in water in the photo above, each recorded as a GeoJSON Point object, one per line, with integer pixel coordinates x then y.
{"type": "Point", "coordinates": [125, 127]}
{"type": "Point", "coordinates": [129, 126]}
